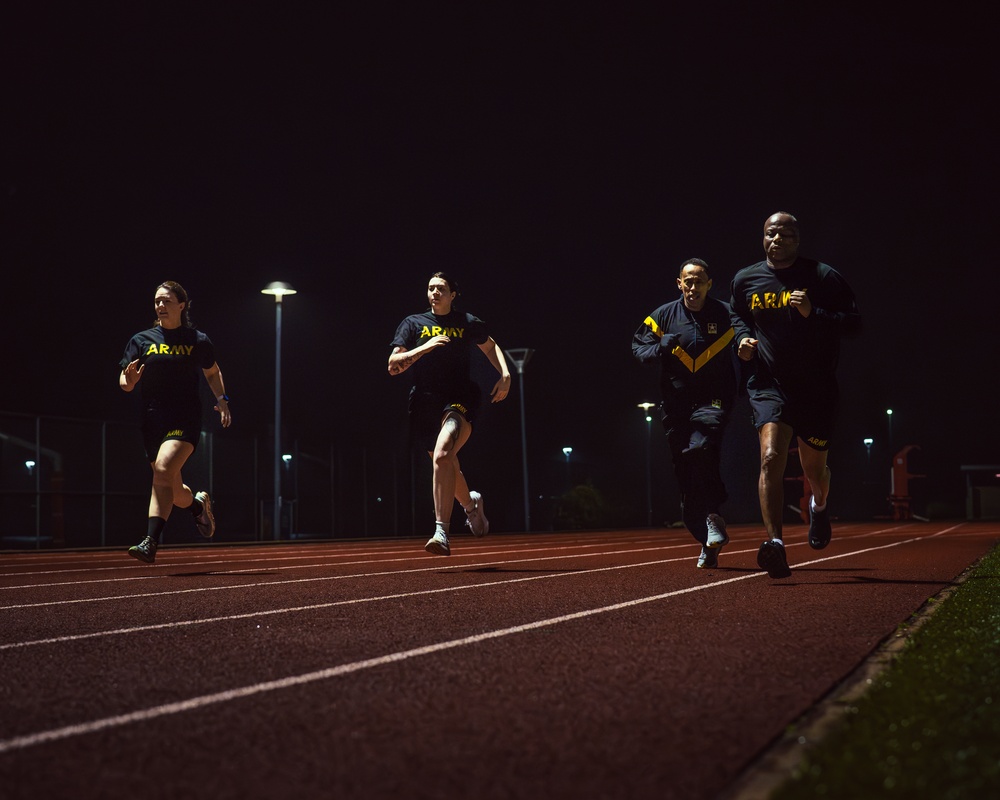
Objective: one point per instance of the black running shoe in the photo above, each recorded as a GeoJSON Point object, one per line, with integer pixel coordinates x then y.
{"type": "Point", "coordinates": [144, 551]}
{"type": "Point", "coordinates": [819, 528]}
{"type": "Point", "coordinates": [771, 557]}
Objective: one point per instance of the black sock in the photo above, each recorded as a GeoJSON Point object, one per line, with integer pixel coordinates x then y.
{"type": "Point", "coordinates": [196, 508]}
{"type": "Point", "coordinates": [154, 527]}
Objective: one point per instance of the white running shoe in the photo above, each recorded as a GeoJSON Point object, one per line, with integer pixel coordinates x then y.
{"type": "Point", "coordinates": [476, 520]}
{"type": "Point", "coordinates": [709, 558]}
{"type": "Point", "coordinates": [717, 536]}
{"type": "Point", "coordinates": [205, 521]}
{"type": "Point", "coordinates": [438, 544]}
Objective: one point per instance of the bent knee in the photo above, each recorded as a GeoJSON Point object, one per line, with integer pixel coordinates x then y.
{"type": "Point", "coordinates": [771, 459]}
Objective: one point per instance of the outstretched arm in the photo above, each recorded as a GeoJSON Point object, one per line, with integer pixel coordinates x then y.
{"type": "Point", "coordinates": [496, 358]}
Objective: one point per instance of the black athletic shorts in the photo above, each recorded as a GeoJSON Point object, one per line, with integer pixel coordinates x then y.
{"type": "Point", "coordinates": [160, 426]}
{"type": "Point", "coordinates": [811, 412]}
{"type": "Point", "coordinates": [428, 409]}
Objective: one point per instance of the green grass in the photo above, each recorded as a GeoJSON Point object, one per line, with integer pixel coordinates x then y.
{"type": "Point", "coordinates": [929, 726]}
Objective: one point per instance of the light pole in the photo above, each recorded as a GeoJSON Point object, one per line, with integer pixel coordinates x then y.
{"type": "Point", "coordinates": [868, 446]}
{"type": "Point", "coordinates": [520, 357]}
{"type": "Point", "coordinates": [569, 480]}
{"type": "Point", "coordinates": [649, 472]}
{"type": "Point", "coordinates": [888, 414]}
{"type": "Point", "coordinates": [278, 289]}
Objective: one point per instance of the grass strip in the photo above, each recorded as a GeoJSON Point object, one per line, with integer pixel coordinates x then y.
{"type": "Point", "coordinates": [929, 726]}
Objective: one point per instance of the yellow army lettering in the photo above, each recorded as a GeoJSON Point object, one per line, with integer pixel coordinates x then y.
{"type": "Point", "coordinates": [818, 442]}
{"type": "Point", "coordinates": [771, 300]}
{"type": "Point", "coordinates": [169, 350]}
{"type": "Point", "coordinates": [174, 432]}
{"type": "Point", "coordinates": [437, 330]}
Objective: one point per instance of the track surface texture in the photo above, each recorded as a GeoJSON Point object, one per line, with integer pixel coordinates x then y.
{"type": "Point", "coordinates": [557, 665]}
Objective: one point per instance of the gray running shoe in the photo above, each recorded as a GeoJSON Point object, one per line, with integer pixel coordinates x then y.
{"type": "Point", "coordinates": [709, 558]}
{"type": "Point", "coordinates": [717, 536]}
{"type": "Point", "coordinates": [477, 523]}
{"type": "Point", "coordinates": [205, 521]}
{"type": "Point", "coordinates": [144, 551]}
{"type": "Point", "coordinates": [438, 544]}
{"type": "Point", "coordinates": [771, 557]}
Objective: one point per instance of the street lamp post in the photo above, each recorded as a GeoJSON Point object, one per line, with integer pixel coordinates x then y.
{"type": "Point", "coordinates": [278, 289]}
{"type": "Point", "coordinates": [569, 479]}
{"type": "Point", "coordinates": [888, 414]}
{"type": "Point", "coordinates": [649, 471]}
{"type": "Point", "coordinates": [520, 357]}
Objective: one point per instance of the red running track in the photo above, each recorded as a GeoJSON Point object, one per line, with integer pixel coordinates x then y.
{"type": "Point", "coordinates": [557, 665]}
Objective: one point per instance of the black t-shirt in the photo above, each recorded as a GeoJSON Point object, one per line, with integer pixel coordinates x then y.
{"type": "Point", "coordinates": [173, 361]}
{"type": "Point", "coordinates": [792, 349]}
{"type": "Point", "coordinates": [447, 367]}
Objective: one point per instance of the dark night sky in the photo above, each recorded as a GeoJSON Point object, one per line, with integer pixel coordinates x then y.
{"type": "Point", "coordinates": [559, 161]}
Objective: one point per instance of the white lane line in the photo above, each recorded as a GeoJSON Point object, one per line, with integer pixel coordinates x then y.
{"type": "Point", "coordinates": [438, 567]}
{"type": "Point", "coordinates": [397, 596]}
{"type": "Point", "coordinates": [348, 549]}
{"type": "Point", "coordinates": [331, 604]}
{"type": "Point", "coordinates": [195, 703]}
{"type": "Point", "coordinates": [332, 547]}
{"type": "Point", "coordinates": [166, 570]}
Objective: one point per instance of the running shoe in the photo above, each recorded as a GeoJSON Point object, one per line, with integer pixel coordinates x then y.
{"type": "Point", "coordinates": [205, 521]}
{"type": "Point", "coordinates": [144, 551]}
{"type": "Point", "coordinates": [476, 520]}
{"type": "Point", "coordinates": [771, 557]}
{"type": "Point", "coordinates": [438, 544]}
{"type": "Point", "coordinates": [819, 528]}
{"type": "Point", "coordinates": [717, 536]}
{"type": "Point", "coordinates": [709, 558]}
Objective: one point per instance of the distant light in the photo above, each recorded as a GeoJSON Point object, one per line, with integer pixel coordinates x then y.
{"type": "Point", "coordinates": [649, 418]}
{"type": "Point", "coordinates": [888, 411]}
{"type": "Point", "coordinates": [279, 289]}
{"type": "Point", "coordinates": [567, 451]}
{"type": "Point", "coordinates": [30, 465]}
{"type": "Point", "coordinates": [868, 442]}
{"type": "Point", "coordinates": [646, 406]}
{"type": "Point", "coordinates": [286, 458]}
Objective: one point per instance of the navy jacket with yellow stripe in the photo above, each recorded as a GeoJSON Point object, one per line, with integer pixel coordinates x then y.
{"type": "Point", "coordinates": [695, 351]}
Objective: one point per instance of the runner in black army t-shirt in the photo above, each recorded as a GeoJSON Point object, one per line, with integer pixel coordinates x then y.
{"type": "Point", "coordinates": [167, 362]}
{"type": "Point", "coordinates": [789, 314]}
{"type": "Point", "coordinates": [444, 399]}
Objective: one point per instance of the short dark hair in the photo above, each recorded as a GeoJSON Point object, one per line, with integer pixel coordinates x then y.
{"type": "Point", "coordinates": [696, 261]}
